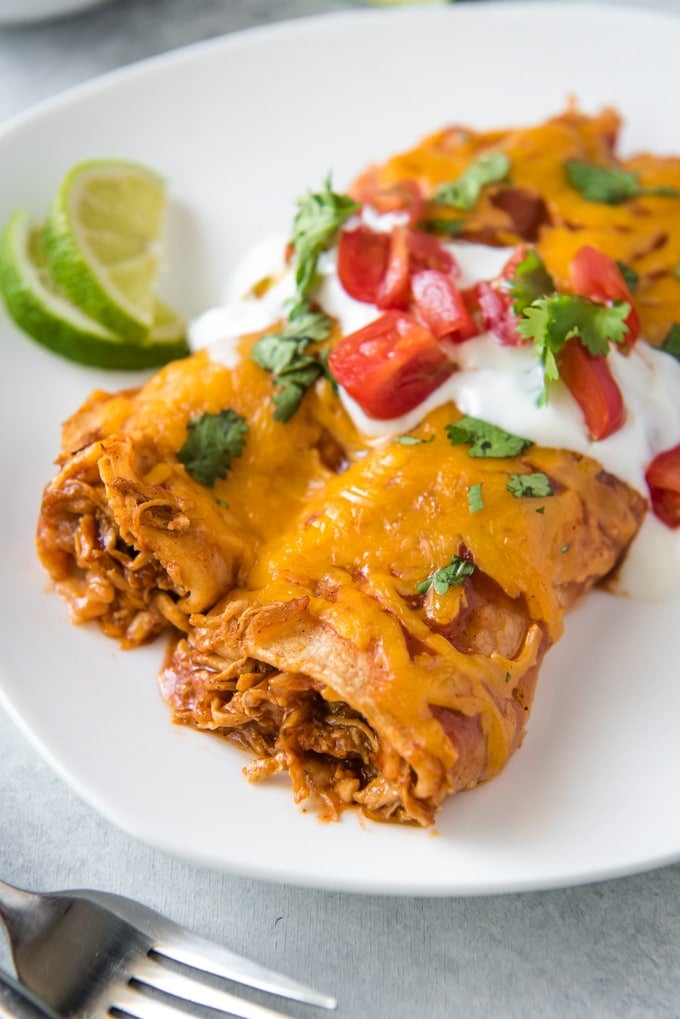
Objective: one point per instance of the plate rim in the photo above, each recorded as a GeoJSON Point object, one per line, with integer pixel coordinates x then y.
{"type": "Point", "coordinates": [190, 52]}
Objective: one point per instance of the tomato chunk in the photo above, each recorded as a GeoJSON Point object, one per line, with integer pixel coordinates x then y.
{"type": "Point", "coordinates": [394, 289]}
{"type": "Point", "coordinates": [597, 276]}
{"type": "Point", "coordinates": [663, 479]}
{"type": "Point", "coordinates": [592, 385]}
{"type": "Point", "coordinates": [493, 301]}
{"type": "Point", "coordinates": [427, 252]}
{"type": "Point", "coordinates": [390, 365]}
{"type": "Point", "coordinates": [495, 310]}
{"type": "Point", "coordinates": [377, 267]}
{"type": "Point", "coordinates": [441, 306]}
{"type": "Point", "coordinates": [362, 261]}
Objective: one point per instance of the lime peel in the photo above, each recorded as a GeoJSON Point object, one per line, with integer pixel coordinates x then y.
{"type": "Point", "coordinates": [102, 240]}
{"type": "Point", "coordinates": [34, 302]}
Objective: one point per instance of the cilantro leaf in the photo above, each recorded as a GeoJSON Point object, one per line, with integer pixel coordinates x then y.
{"type": "Point", "coordinates": [475, 498]}
{"type": "Point", "coordinates": [413, 440]}
{"type": "Point", "coordinates": [671, 344]}
{"type": "Point", "coordinates": [463, 193]}
{"type": "Point", "coordinates": [485, 440]}
{"type": "Point", "coordinates": [550, 321]}
{"type": "Point", "coordinates": [530, 486]}
{"type": "Point", "coordinates": [447, 576]}
{"type": "Point", "coordinates": [294, 383]}
{"type": "Point", "coordinates": [283, 354]}
{"type": "Point", "coordinates": [609, 185]}
{"type": "Point", "coordinates": [318, 218]}
{"type": "Point", "coordinates": [631, 277]}
{"type": "Point", "coordinates": [212, 441]}
{"type": "Point", "coordinates": [447, 227]}
{"type": "Point", "coordinates": [530, 281]}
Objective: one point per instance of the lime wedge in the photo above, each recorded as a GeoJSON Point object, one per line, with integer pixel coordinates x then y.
{"type": "Point", "coordinates": [103, 242]}
{"type": "Point", "coordinates": [34, 301]}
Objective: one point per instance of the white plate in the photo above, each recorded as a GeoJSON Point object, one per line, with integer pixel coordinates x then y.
{"type": "Point", "coordinates": [241, 126]}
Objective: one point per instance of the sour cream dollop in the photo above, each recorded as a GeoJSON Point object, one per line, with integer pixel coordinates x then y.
{"type": "Point", "coordinates": [497, 383]}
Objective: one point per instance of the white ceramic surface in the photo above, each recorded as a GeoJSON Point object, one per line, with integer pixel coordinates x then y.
{"type": "Point", "coordinates": [240, 127]}
{"type": "Point", "coordinates": [20, 11]}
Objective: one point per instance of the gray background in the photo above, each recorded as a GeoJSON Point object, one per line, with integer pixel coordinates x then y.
{"type": "Point", "coordinates": [606, 950]}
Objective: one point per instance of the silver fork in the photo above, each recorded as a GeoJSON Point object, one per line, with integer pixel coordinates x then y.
{"type": "Point", "coordinates": [91, 954]}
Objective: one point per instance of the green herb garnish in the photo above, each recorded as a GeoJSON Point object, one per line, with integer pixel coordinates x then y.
{"type": "Point", "coordinates": [475, 498]}
{"type": "Point", "coordinates": [437, 225]}
{"type": "Point", "coordinates": [609, 184]}
{"type": "Point", "coordinates": [413, 440]}
{"type": "Point", "coordinates": [671, 343]}
{"type": "Point", "coordinates": [319, 217]}
{"type": "Point", "coordinates": [484, 439]}
{"type": "Point", "coordinates": [631, 277]}
{"type": "Point", "coordinates": [551, 321]}
{"type": "Point", "coordinates": [463, 193]}
{"type": "Point", "coordinates": [448, 576]}
{"type": "Point", "coordinates": [530, 281]}
{"type": "Point", "coordinates": [293, 370]}
{"type": "Point", "coordinates": [212, 441]}
{"type": "Point", "coordinates": [530, 486]}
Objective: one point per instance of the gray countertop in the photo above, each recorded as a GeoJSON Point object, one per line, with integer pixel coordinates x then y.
{"type": "Point", "coordinates": [605, 950]}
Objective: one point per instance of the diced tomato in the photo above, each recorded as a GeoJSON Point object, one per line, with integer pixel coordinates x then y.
{"type": "Point", "coordinates": [441, 306]}
{"type": "Point", "coordinates": [597, 276]}
{"type": "Point", "coordinates": [390, 365]}
{"type": "Point", "coordinates": [516, 258]}
{"type": "Point", "coordinates": [495, 310]}
{"type": "Point", "coordinates": [663, 479]}
{"type": "Point", "coordinates": [377, 267]}
{"type": "Point", "coordinates": [394, 290]}
{"type": "Point", "coordinates": [411, 252]}
{"type": "Point", "coordinates": [493, 301]}
{"type": "Point", "coordinates": [426, 252]}
{"type": "Point", "coordinates": [362, 261]}
{"type": "Point", "coordinates": [592, 385]}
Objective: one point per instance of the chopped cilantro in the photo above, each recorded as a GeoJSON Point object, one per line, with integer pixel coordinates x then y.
{"type": "Point", "coordinates": [283, 354]}
{"type": "Point", "coordinates": [530, 486]}
{"type": "Point", "coordinates": [475, 498]}
{"type": "Point", "coordinates": [463, 193]}
{"type": "Point", "coordinates": [437, 225]}
{"type": "Point", "coordinates": [609, 184]}
{"type": "Point", "coordinates": [485, 440]}
{"type": "Point", "coordinates": [671, 343]}
{"type": "Point", "coordinates": [530, 281]}
{"type": "Point", "coordinates": [447, 576]}
{"type": "Point", "coordinates": [629, 274]}
{"type": "Point", "coordinates": [319, 216]}
{"type": "Point", "coordinates": [413, 440]}
{"type": "Point", "coordinates": [550, 321]}
{"type": "Point", "coordinates": [212, 441]}
{"type": "Point", "coordinates": [676, 271]}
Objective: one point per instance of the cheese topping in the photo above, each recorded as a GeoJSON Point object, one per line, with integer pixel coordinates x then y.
{"type": "Point", "coordinates": [497, 383]}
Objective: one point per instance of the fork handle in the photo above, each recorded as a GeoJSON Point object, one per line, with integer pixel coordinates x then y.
{"type": "Point", "coordinates": [18, 1003]}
